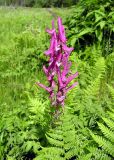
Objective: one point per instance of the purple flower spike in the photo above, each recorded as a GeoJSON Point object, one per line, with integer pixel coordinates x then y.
{"type": "Point", "coordinates": [43, 86]}
{"type": "Point", "coordinates": [61, 31]}
{"type": "Point", "coordinates": [58, 69]}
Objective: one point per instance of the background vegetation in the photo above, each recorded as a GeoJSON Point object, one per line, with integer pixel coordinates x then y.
{"type": "Point", "coordinates": [28, 129]}
{"type": "Point", "coordinates": [39, 3]}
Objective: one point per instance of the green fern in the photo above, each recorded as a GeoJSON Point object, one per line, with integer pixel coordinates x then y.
{"type": "Point", "coordinates": [111, 90]}
{"type": "Point", "coordinates": [97, 153]}
{"type": "Point", "coordinates": [106, 141]}
{"type": "Point", "coordinates": [50, 153]}
{"type": "Point", "coordinates": [62, 140]}
{"type": "Point", "coordinates": [99, 68]}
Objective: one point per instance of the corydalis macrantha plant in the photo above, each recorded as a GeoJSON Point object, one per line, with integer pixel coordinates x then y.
{"type": "Point", "coordinates": [59, 66]}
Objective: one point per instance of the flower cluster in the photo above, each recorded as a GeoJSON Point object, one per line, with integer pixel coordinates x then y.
{"type": "Point", "coordinates": [59, 67]}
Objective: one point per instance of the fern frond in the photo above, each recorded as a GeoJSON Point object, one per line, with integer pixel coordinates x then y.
{"type": "Point", "coordinates": [99, 68]}
{"type": "Point", "coordinates": [111, 114]}
{"type": "Point", "coordinates": [105, 144]}
{"type": "Point", "coordinates": [111, 90]}
{"type": "Point", "coordinates": [98, 154]}
{"type": "Point", "coordinates": [107, 132]}
{"type": "Point", "coordinates": [109, 123]}
{"type": "Point", "coordinates": [110, 59]}
{"type": "Point", "coordinates": [65, 139]}
{"type": "Point", "coordinates": [93, 88]}
{"type": "Point", "coordinates": [50, 153]}
{"type": "Point", "coordinates": [85, 157]}
{"type": "Point", "coordinates": [106, 141]}
{"type": "Point", "coordinates": [53, 141]}
{"type": "Point", "coordinates": [69, 154]}
{"type": "Point", "coordinates": [55, 135]}
{"type": "Point", "coordinates": [36, 106]}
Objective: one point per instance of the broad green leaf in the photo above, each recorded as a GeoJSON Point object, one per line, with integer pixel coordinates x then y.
{"type": "Point", "coordinates": [101, 13]}
{"type": "Point", "coordinates": [99, 35]}
{"type": "Point", "coordinates": [110, 14]}
{"type": "Point", "coordinates": [85, 31]}
{"type": "Point", "coordinates": [98, 17]}
{"type": "Point", "coordinates": [90, 13]}
{"type": "Point", "coordinates": [73, 41]}
{"type": "Point", "coordinates": [101, 24]}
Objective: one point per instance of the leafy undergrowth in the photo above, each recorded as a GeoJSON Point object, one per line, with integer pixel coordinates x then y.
{"type": "Point", "coordinates": [28, 128]}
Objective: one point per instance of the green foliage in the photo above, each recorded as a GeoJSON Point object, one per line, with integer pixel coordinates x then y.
{"type": "Point", "coordinates": [29, 127]}
{"type": "Point", "coordinates": [92, 22]}
{"type": "Point", "coordinates": [107, 139]}
{"type": "Point", "coordinates": [64, 141]}
{"type": "Point", "coordinates": [111, 89]}
{"type": "Point", "coordinates": [39, 3]}
{"type": "Point", "coordinates": [21, 131]}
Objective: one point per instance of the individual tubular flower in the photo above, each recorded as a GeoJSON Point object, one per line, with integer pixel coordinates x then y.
{"type": "Point", "coordinates": [58, 69]}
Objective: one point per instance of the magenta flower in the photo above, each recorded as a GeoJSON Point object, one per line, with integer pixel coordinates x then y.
{"type": "Point", "coordinates": [59, 66]}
